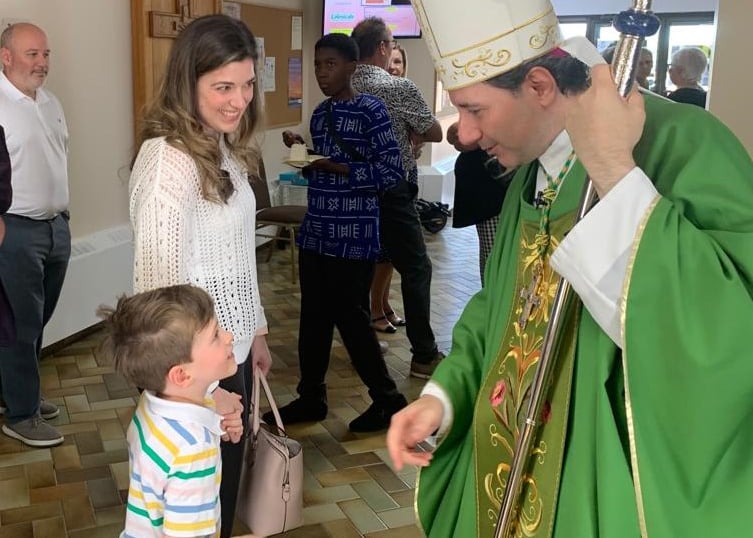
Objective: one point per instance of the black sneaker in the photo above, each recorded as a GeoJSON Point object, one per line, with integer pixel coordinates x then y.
{"type": "Point", "coordinates": [424, 370]}
{"type": "Point", "coordinates": [300, 410]}
{"type": "Point", "coordinates": [376, 417]}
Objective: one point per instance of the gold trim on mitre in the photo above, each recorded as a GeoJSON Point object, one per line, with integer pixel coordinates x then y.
{"type": "Point", "coordinates": [493, 55]}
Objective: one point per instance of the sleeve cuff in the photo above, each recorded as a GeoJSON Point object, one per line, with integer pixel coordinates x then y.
{"type": "Point", "coordinates": [433, 389]}
{"type": "Point", "coordinates": [594, 255]}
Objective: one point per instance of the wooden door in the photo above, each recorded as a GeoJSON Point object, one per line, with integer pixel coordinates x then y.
{"type": "Point", "coordinates": [154, 26]}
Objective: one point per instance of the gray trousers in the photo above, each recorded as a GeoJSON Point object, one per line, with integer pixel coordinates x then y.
{"type": "Point", "coordinates": [33, 261]}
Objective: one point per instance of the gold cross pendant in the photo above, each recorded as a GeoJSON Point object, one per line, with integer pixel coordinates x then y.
{"type": "Point", "coordinates": [531, 298]}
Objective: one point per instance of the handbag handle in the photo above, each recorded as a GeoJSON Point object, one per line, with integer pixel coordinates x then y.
{"type": "Point", "coordinates": [260, 379]}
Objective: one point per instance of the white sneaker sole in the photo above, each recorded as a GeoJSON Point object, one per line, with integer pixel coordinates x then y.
{"type": "Point", "coordinates": [50, 416]}
{"type": "Point", "coordinates": [37, 443]}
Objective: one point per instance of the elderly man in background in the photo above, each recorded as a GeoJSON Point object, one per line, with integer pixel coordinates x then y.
{"type": "Point", "coordinates": [34, 255]}
{"type": "Point", "coordinates": [685, 72]}
{"type": "Point", "coordinates": [400, 228]}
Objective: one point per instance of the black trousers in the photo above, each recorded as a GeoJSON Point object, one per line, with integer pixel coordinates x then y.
{"type": "Point", "coordinates": [232, 454]}
{"type": "Point", "coordinates": [402, 238]}
{"type": "Point", "coordinates": [335, 293]}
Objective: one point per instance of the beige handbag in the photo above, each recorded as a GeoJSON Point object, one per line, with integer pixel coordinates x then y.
{"type": "Point", "coordinates": [270, 498]}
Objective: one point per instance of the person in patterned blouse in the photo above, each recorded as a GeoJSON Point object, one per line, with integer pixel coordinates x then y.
{"type": "Point", "coordinates": [402, 236]}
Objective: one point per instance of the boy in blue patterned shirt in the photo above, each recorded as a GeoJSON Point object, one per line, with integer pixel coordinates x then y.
{"type": "Point", "coordinates": [339, 238]}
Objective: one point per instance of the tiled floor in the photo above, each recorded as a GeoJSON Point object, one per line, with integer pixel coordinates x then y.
{"type": "Point", "coordinates": [78, 489]}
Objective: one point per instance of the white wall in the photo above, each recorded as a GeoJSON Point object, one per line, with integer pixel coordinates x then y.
{"type": "Point", "coordinates": [731, 77]}
{"type": "Point", "coordinates": [90, 73]}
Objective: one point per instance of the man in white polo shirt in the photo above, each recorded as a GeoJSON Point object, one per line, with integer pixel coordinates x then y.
{"type": "Point", "coordinates": [34, 255]}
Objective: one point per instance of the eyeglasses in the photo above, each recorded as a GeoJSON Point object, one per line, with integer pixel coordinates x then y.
{"type": "Point", "coordinates": [391, 42]}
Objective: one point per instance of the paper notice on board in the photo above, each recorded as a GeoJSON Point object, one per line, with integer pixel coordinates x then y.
{"type": "Point", "coordinates": [260, 49]}
{"type": "Point", "coordinates": [296, 33]}
{"type": "Point", "coordinates": [269, 74]}
{"type": "Point", "coordinates": [232, 9]}
{"type": "Point", "coordinates": [295, 82]}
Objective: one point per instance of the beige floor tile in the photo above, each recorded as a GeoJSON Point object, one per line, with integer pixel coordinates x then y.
{"type": "Point", "coordinates": [373, 494]}
{"type": "Point", "coordinates": [93, 416]}
{"type": "Point", "coordinates": [411, 531]}
{"type": "Point", "coordinates": [77, 404]}
{"type": "Point", "coordinates": [17, 471]}
{"type": "Point", "coordinates": [41, 474]}
{"type": "Point", "coordinates": [19, 530]}
{"type": "Point", "coordinates": [315, 461]}
{"type": "Point", "coordinates": [343, 476]}
{"type": "Point", "coordinates": [78, 512]}
{"type": "Point", "coordinates": [15, 493]}
{"type": "Point", "coordinates": [71, 429]}
{"type": "Point", "coordinates": [53, 527]}
{"type": "Point", "coordinates": [66, 457]}
{"type": "Point", "coordinates": [113, 404]}
{"type": "Point", "coordinates": [110, 515]}
{"type": "Point", "coordinates": [386, 478]}
{"type": "Point", "coordinates": [110, 430]}
{"type": "Point", "coordinates": [322, 512]}
{"type": "Point", "coordinates": [404, 498]}
{"type": "Point", "coordinates": [399, 517]}
{"type": "Point", "coordinates": [363, 517]}
{"type": "Point", "coordinates": [341, 528]}
{"type": "Point", "coordinates": [31, 512]}
{"type": "Point", "coordinates": [366, 444]}
{"type": "Point", "coordinates": [329, 495]}
{"type": "Point", "coordinates": [57, 493]}
{"type": "Point", "coordinates": [108, 531]}
{"type": "Point", "coordinates": [23, 458]}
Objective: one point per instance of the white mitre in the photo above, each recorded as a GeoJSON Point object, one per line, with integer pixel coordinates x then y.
{"type": "Point", "coordinates": [474, 40]}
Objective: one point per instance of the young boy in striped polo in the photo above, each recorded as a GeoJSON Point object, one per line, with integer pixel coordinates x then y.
{"type": "Point", "coordinates": [168, 342]}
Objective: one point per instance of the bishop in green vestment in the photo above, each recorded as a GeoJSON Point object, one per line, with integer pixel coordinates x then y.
{"type": "Point", "coordinates": [646, 428]}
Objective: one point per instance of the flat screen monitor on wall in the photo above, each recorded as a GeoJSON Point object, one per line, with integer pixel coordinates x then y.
{"type": "Point", "coordinates": [342, 16]}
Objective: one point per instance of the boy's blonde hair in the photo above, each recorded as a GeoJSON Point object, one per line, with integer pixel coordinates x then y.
{"type": "Point", "coordinates": [149, 333]}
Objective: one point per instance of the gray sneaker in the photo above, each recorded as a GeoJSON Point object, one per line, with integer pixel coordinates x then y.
{"type": "Point", "coordinates": [34, 432]}
{"type": "Point", "coordinates": [48, 410]}
{"type": "Point", "coordinates": [424, 370]}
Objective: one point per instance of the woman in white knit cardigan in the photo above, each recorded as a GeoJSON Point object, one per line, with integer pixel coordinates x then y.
{"type": "Point", "coordinates": [191, 204]}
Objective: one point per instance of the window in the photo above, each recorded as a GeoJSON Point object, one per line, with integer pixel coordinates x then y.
{"type": "Point", "coordinates": [678, 30]}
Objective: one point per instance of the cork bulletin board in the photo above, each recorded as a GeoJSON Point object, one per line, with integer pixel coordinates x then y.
{"type": "Point", "coordinates": [282, 104]}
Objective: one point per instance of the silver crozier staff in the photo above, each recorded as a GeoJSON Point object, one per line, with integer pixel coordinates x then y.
{"type": "Point", "coordinates": [634, 25]}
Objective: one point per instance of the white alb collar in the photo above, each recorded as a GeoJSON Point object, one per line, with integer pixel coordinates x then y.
{"type": "Point", "coordinates": [553, 159]}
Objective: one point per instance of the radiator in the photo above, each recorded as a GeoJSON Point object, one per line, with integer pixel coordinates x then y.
{"type": "Point", "coordinates": [100, 269]}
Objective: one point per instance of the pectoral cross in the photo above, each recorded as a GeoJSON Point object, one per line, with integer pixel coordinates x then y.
{"type": "Point", "coordinates": [531, 297]}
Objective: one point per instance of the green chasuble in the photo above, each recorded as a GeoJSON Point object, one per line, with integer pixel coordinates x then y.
{"type": "Point", "coordinates": [653, 440]}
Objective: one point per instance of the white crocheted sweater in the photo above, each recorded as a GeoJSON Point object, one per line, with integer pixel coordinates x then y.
{"type": "Point", "coordinates": [182, 238]}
